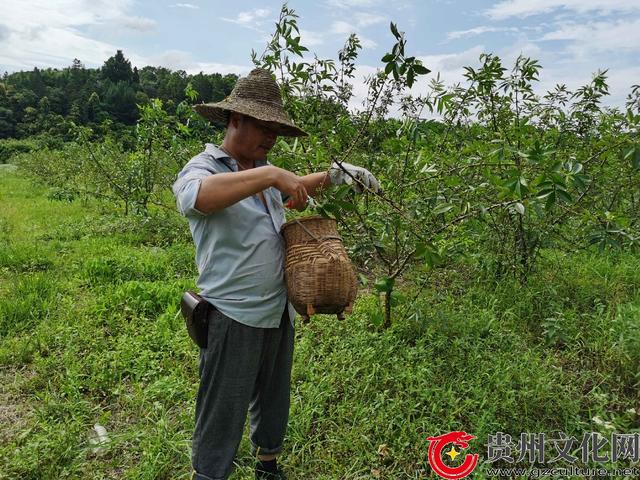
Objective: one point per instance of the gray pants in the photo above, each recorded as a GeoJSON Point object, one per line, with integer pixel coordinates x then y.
{"type": "Point", "coordinates": [243, 368]}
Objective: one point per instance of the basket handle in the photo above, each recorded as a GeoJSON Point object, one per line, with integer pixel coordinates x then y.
{"type": "Point", "coordinates": [321, 239]}
{"type": "Point", "coordinates": [308, 232]}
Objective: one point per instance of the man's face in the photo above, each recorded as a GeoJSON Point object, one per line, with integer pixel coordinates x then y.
{"type": "Point", "coordinates": [256, 137]}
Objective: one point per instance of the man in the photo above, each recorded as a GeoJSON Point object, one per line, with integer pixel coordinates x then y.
{"type": "Point", "coordinates": [234, 202]}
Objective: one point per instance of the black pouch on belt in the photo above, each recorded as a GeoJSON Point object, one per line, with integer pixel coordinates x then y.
{"type": "Point", "coordinates": [195, 311]}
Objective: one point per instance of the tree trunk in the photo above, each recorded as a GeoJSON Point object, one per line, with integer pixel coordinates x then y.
{"type": "Point", "coordinates": [387, 309]}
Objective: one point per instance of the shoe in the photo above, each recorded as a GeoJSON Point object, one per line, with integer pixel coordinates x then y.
{"type": "Point", "coordinates": [262, 475]}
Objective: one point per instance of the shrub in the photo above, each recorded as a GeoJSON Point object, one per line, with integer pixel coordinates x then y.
{"type": "Point", "coordinates": [11, 147]}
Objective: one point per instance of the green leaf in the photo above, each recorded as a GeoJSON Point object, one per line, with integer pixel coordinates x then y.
{"type": "Point", "coordinates": [498, 151]}
{"type": "Point", "coordinates": [453, 181]}
{"type": "Point", "coordinates": [384, 284]}
{"type": "Point", "coordinates": [389, 57]}
{"type": "Point", "coordinates": [433, 258]}
{"type": "Point", "coordinates": [519, 208]}
{"type": "Point", "coordinates": [580, 181]}
{"type": "Point", "coordinates": [421, 249]}
{"type": "Point", "coordinates": [629, 153]}
{"type": "Point", "coordinates": [516, 184]}
{"type": "Point", "coordinates": [394, 30]}
{"type": "Point", "coordinates": [557, 179]}
{"type": "Point", "coordinates": [429, 253]}
{"type": "Point", "coordinates": [377, 317]}
{"type": "Point", "coordinates": [379, 245]}
{"type": "Point", "coordinates": [390, 66]}
{"type": "Point", "coordinates": [563, 195]}
{"type": "Point", "coordinates": [397, 299]}
{"type": "Point", "coordinates": [551, 200]}
{"type": "Point", "coordinates": [429, 168]}
{"type": "Point", "coordinates": [410, 78]}
{"type": "Point", "coordinates": [344, 205]}
{"type": "Point", "coordinates": [442, 208]}
{"type": "Point", "coordinates": [420, 69]}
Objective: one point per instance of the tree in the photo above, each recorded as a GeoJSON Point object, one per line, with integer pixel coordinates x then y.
{"type": "Point", "coordinates": [77, 64]}
{"type": "Point", "coordinates": [44, 105]}
{"type": "Point", "coordinates": [77, 79]}
{"type": "Point", "coordinates": [93, 108]}
{"type": "Point", "coordinates": [120, 100]}
{"type": "Point", "coordinates": [202, 84]}
{"type": "Point", "coordinates": [7, 123]}
{"type": "Point", "coordinates": [117, 69]}
{"type": "Point", "coordinates": [36, 83]}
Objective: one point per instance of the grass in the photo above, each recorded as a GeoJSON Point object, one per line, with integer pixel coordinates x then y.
{"type": "Point", "coordinates": [90, 333]}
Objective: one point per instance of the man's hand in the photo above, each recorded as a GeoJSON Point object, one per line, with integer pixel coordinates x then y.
{"type": "Point", "coordinates": [364, 179]}
{"type": "Point", "coordinates": [292, 185]}
{"type": "Point", "coordinates": [298, 206]}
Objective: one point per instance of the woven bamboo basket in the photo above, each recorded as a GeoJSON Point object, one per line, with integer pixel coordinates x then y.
{"type": "Point", "coordinates": [319, 274]}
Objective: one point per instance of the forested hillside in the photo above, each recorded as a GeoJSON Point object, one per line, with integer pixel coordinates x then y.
{"type": "Point", "coordinates": [45, 101]}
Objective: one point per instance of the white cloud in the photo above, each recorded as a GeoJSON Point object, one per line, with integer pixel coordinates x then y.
{"type": "Point", "coordinates": [510, 53]}
{"type": "Point", "coordinates": [364, 19]}
{"type": "Point", "coordinates": [4, 32]}
{"type": "Point", "coordinates": [311, 39]}
{"type": "Point", "coordinates": [45, 33]}
{"type": "Point", "coordinates": [478, 31]}
{"type": "Point", "coordinates": [141, 24]}
{"type": "Point", "coordinates": [524, 8]}
{"type": "Point", "coordinates": [222, 68]}
{"type": "Point", "coordinates": [61, 13]}
{"type": "Point", "coordinates": [344, 28]}
{"type": "Point", "coordinates": [360, 73]}
{"type": "Point", "coordinates": [173, 59]}
{"type": "Point", "coordinates": [597, 37]}
{"type": "Point", "coordinates": [352, 3]}
{"type": "Point", "coordinates": [252, 19]}
{"type": "Point", "coordinates": [575, 45]}
{"type": "Point", "coordinates": [450, 68]}
{"type": "Point", "coordinates": [573, 71]}
{"type": "Point", "coordinates": [181, 60]}
{"type": "Point", "coordinates": [248, 17]}
{"type": "Point", "coordinates": [450, 65]}
{"type": "Point", "coordinates": [367, 42]}
{"type": "Point", "coordinates": [575, 75]}
{"type": "Point", "coordinates": [52, 47]}
{"type": "Point", "coordinates": [620, 81]}
{"type": "Point", "coordinates": [185, 5]}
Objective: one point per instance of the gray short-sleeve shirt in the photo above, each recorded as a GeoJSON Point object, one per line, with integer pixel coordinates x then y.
{"type": "Point", "coordinates": [239, 249]}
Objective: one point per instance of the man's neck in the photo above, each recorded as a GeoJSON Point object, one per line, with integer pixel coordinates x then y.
{"type": "Point", "coordinates": [243, 163]}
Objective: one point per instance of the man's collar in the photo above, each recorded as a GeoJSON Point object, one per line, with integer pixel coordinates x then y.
{"type": "Point", "coordinates": [219, 154]}
{"type": "Point", "coordinates": [215, 151]}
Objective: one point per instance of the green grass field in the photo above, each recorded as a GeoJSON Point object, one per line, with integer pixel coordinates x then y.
{"type": "Point", "coordinates": [90, 333]}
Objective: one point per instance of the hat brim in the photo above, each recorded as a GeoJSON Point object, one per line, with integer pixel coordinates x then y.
{"type": "Point", "coordinates": [218, 113]}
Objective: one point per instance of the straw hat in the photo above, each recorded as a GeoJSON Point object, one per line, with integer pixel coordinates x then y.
{"type": "Point", "coordinates": [256, 95]}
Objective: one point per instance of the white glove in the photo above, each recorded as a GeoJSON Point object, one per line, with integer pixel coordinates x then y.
{"type": "Point", "coordinates": [338, 176]}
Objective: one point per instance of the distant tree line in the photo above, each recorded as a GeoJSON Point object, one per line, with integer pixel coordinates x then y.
{"type": "Point", "coordinates": [46, 101]}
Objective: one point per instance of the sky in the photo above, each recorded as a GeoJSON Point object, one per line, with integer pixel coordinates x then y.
{"type": "Point", "coordinates": [572, 39]}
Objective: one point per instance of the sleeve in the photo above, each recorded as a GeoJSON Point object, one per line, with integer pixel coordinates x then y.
{"type": "Point", "coordinates": [187, 186]}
